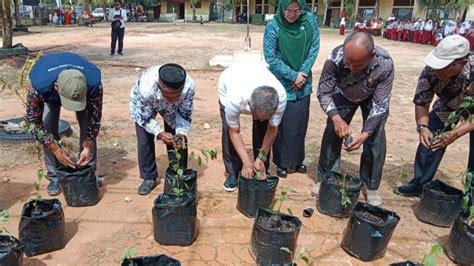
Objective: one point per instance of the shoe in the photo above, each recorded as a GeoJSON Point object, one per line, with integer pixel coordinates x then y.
{"type": "Point", "coordinates": [147, 186]}
{"type": "Point", "coordinates": [408, 190]}
{"type": "Point", "coordinates": [315, 189]}
{"type": "Point", "coordinates": [111, 54]}
{"type": "Point", "coordinates": [54, 188]}
{"type": "Point", "coordinates": [373, 198]}
{"type": "Point", "coordinates": [302, 169]}
{"type": "Point", "coordinates": [282, 172]}
{"type": "Point", "coordinates": [99, 181]}
{"type": "Point", "coordinates": [231, 183]}
{"type": "Point", "coordinates": [120, 53]}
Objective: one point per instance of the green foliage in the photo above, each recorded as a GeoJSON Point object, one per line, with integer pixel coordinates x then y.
{"type": "Point", "coordinates": [37, 187]}
{"type": "Point", "coordinates": [345, 199]}
{"type": "Point", "coordinates": [128, 254]}
{"type": "Point", "coordinates": [430, 259]}
{"type": "Point", "coordinates": [467, 181]}
{"type": "Point", "coordinates": [283, 196]}
{"type": "Point", "coordinates": [403, 171]}
{"type": "Point", "coordinates": [4, 216]}
{"type": "Point", "coordinates": [301, 255]}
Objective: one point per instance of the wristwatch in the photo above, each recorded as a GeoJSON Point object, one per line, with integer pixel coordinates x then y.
{"type": "Point", "coordinates": [420, 127]}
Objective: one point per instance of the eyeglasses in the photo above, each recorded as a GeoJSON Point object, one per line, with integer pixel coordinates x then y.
{"type": "Point", "coordinates": [294, 12]}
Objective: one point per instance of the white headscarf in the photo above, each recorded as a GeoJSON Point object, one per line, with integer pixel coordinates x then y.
{"type": "Point", "coordinates": [429, 26]}
{"type": "Point", "coordinates": [343, 22]}
{"type": "Point", "coordinates": [422, 25]}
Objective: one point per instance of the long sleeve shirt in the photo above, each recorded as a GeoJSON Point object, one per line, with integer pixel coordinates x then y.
{"type": "Point", "coordinates": [146, 101]}
{"type": "Point", "coordinates": [374, 84]}
{"type": "Point", "coordinates": [284, 73]}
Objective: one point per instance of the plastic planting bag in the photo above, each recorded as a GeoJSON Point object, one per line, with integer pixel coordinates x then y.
{"type": "Point", "coordinates": [368, 232]}
{"type": "Point", "coordinates": [460, 246]}
{"type": "Point", "coordinates": [11, 251]}
{"type": "Point", "coordinates": [174, 219]}
{"type": "Point", "coordinates": [255, 194]}
{"type": "Point", "coordinates": [188, 181]}
{"type": "Point", "coordinates": [160, 260]}
{"type": "Point", "coordinates": [270, 233]}
{"type": "Point", "coordinates": [42, 232]}
{"type": "Point", "coordinates": [79, 186]}
{"type": "Point", "coordinates": [439, 204]}
{"type": "Point", "coordinates": [330, 196]}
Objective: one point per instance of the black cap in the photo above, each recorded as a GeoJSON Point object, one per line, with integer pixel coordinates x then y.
{"type": "Point", "coordinates": [173, 76]}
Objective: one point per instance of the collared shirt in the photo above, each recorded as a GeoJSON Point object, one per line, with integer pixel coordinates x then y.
{"type": "Point", "coordinates": [374, 83]}
{"type": "Point", "coordinates": [450, 92]}
{"type": "Point", "coordinates": [121, 12]}
{"type": "Point", "coordinates": [236, 85]}
{"type": "Point", "coordinates": [43, 76]}
{"type": "Point", "coordinates": [146, 101]}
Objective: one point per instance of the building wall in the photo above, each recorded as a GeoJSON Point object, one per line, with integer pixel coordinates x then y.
{"type": "Point", "coordinates": [203, 11]}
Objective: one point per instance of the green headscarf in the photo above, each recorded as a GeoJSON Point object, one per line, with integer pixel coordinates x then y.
{"type": "Point", "coordinates": [294, 39]}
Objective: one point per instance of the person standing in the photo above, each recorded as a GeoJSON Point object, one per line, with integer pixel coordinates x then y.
{"type": "Point", "coordinates": [449, 75]}
{"type": "Point", "coordinates": [291, 45]}
{"type": "Point", "coordinates": [169, 91]}
{"type": "Point", "coordinates": [342, 26]}
{"type": "Point", "coordinates": [67, 80]}
{"type": "Point", "coordinates": [357, 74]}
{"type": "Point", "coordinates": [118, 16]}
{"type": "Point", "coordinates": [250, 89]}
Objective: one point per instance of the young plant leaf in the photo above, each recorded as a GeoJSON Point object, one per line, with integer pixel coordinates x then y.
{"type": "Point", "coordinates": [180, 172]}
{"type": "Point", "coordinates": [429, 260]}
{"type": "Point", "coordinates": [40, 174]}
{"type": "Point", "coordinates": [290, 212]}
{"type": "Point", "coordinates": [178, 155]}
{"type": "Point", "coordinates": [436, 250]}
{"type": "Point", "coordinates": [287, 250]}
{"type": "Point", "coordinates": [36, 186]}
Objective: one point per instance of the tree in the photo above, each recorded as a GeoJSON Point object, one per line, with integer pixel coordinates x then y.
{"type": "Point", "coordinates": [193, 5]}
{"type": "Point", "coordinates": [7, 23]}
{"type": "Point", "coordinates": [16, 6]}
{"type": "Point", "coordinates": [460, 6]}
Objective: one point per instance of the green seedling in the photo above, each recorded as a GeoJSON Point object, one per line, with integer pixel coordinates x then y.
{"type": "Point", "coordinates": [301, 255]}
{"type": "Point", "coordinates": [283, 196]}
{"type": "Point", "coordinates": [459, 116]}
{"type": "Point", "coordinates": [4, 216]}
{"type": "Point", "coordinates": [430, 259]}
{"type": "Point", "coordinates": [345, 199]}
{"type": "Point", "coordinates": [127, 254]}
{"type": "Point", "coordinates": [466, 205]}
{"type": "Point", "coordinates": [37, 187]}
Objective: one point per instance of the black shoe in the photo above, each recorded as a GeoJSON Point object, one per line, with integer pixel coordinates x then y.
{"type": "Point", "coordinates": [231, 183]}
{"type": "Point", "coordinates": [54, 188]}
{"type": "Point", "coordinates": [147, 186]}
{"type": "Point", "coordinates": [120, 53]}
{"type": "Point", "coordinates": [302, 169]}
{"type": "Point", "coordinates": [99, 181]}
{"type": "Point", "coordinates": [111, 54]}
{"type": "Point", "coordinates": [282, 172]}
{"type": "Point", "coordinates": [408, 190]}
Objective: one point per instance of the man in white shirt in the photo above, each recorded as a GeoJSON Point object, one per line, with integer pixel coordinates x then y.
{"type": "Point", "coordinates": [166, 90]}
{"type": "Point", "coordinates": [118, 16]}
{"type": "Point", "coordinates": [251, 89]}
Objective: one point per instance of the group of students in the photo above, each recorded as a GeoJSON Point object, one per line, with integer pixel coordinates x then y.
{"type": "Point", "coordinates": [357, 74]}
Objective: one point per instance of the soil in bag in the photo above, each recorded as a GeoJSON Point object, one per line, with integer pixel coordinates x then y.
{"type": "Point", "coordinates": [188, 182]}
{"type": "Point", "coordinates": [174, 219]}
{"type": "Point", "coordinates": [368, 231]}
{"type": "Point", "coordinates": [460, 245]}
{"type": "Point", "coordinates": [439, 204]}
{"type": "Point", "coordinates": [331, 193]}
{"type": "Point", "coordinates": [255, 193]}
{"type": "Point", "coordinates": [270, 233]}
{"type": "Point", "coordinates": [160, 260]}
{"type": "Point", "coordinates": [42, 232]}
{"type": "Point", "coordinates": [79, 186]}
{"type": "Point", "coordinates": [11, 251]}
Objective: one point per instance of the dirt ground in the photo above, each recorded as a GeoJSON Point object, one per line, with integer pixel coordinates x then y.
{"type": "Point", "coordinates": [98, 235]}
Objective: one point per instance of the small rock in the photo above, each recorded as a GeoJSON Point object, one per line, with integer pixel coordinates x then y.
{"type": "Point", "coordinates": [5, 179]}
{"type": "Point", "coordinates": [207, 126]}
{"type": "Point", "coordinates": [116, 144]}
{"type": "Point", "coordinates": [128, 199]}
{"type": "Point", "coordinates": [125, 158]}
{"type": "Point", "coordinates": [138, 69]}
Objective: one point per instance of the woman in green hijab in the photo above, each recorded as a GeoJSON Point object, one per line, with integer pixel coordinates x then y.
{"type": "Point", "coordinates": [291, 45]}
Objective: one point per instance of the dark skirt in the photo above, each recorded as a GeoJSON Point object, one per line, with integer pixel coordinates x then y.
{"type": "Point", "coordinates": [288, 149]}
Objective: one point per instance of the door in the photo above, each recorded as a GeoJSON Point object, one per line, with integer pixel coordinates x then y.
{"type": "Point", "coordinates": [181, 11]}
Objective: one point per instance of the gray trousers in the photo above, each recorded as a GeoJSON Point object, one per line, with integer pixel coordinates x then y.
{"type": "Point", "coordinates": [51, 115]}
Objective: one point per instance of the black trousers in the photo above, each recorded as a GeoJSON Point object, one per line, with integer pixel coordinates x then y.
{"type": "Point", "coordinates": [232, 161]}
{"type": "Point", "coordinates": [117, 35]}
{"type": "Point", "coordinates": [146, 153]}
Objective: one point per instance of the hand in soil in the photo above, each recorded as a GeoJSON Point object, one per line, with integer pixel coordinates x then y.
{"type": "Point", "coordinates": [357, 142]}
{"type": "Point", "coordinates": [63, 157]}
{"type": "Point", "coordinates": [84, 157]}
{"type": "Point", "coordinates": [259, 167]}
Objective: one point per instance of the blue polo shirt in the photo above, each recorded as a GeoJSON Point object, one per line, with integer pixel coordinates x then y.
{"type": "Point", "coordinates": [46, 70]}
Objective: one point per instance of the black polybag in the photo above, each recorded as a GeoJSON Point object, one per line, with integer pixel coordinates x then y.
{"type": "Point", "coordinates": [11, 251]}
{"type": "Point", "coordinates": [460, 245]}
{"type": "Point", "coordinates": [439, 204]}
{"type": "Point", "coordinates": [188, 182]}
{"type": "Point", "coordinates": [79, 186]}
{"type": "Point", "coordinates": [405, 263]}
{"type": "Point", "coordinates": [329, 197]}
{"type": "Point", "coordinates": [255, 193]}
{"type": "Point", "coordinates": [160, 260]}
{"type": "Point", "coordinates": [364, 239]}
{"type": "Point", "coordinates": [45, 232]}
{"type": "Point", "coordinates": [265, 244]}
{"type": "Point", "coordinates": [174, 219]}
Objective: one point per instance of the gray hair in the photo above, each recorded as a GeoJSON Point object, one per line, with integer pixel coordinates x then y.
{"type": "Point", "coordinates": [264, 99]}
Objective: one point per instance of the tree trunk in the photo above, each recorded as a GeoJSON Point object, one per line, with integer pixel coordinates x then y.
{"type": "Point", "coordinates": [87, 6]}
{"type": "Point", "coordinates": [464, 13]}
{"type": "Point", "coordinates": [377, 8]}
{"type": "Point", "coordinates": [7, 29]}
{"type": "Point", "coordinates": [16, 5]}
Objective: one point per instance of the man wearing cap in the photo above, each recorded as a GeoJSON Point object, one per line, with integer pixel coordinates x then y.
{"type": "Point", "coordinates": [449, 74]}
{"type": "Point", "coordinates": [166, 90]}
{"type": "Point", "coordinates": [68, 80]}
{"type": "Point", "coordinates": [261, 95]}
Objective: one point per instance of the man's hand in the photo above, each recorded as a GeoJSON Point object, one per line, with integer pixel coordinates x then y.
{"type": "Point", "coordinates": [182, 140]}
{"type": "Point", "coordinates": [357, 142]}
{"type": "Point", "coordinates": [341, 127]}
{"type": "Point", "coordinates": [444, 140]}
{"type": "Point", "coordinates": [86, 154]}
{"type": "Point", "coordinates": [425, 137]}
{"type": "Point", "coordinates": [62, 156]}
{"type": "Point", "coordinates": [299, 81]}
{"type": "Point", "coordinates": [259, 167]}
{"type": "Point", "coordinates": [247, 170]}
{"type": "Point", "coordinates": [166, 138]}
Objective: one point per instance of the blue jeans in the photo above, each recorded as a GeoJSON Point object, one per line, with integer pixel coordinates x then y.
{"type": "Point", "coordinates": [427, 161]}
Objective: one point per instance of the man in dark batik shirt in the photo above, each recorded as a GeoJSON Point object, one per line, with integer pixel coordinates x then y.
{"type": "Point", "coordinates": [449, 74]}
{"type": "Point", "coordinates": [357, 74]}
{"type": "Point", "coordinates": [68, 80]}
